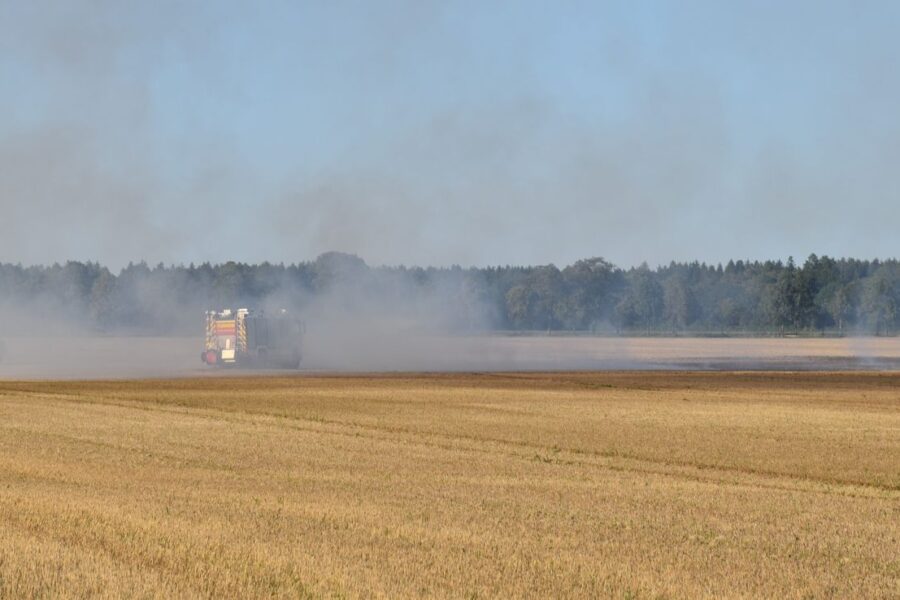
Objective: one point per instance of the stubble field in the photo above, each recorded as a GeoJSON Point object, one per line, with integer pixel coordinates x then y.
{"type": "Point", "coordinates": [615, 484]}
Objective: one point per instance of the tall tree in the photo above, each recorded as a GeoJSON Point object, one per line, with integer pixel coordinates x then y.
{"type": "Point", "coordinates": [881, 299]}
{"type": "Point", "coordinates": [680, 305]}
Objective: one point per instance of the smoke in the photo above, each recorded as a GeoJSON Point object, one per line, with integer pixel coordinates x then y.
{"type": "Point", "coordinates": [359, 321]}
{"type": "Point", "coordinates": [356, 319]}
{"type": "Point", "coordinates": [437, 134]}
{"type": "Point", "coordinates": [473, 183]}
{"type": "Point", "coordinates": [427, 133]}
{"type": "Point", "coordinates": [88, 171]}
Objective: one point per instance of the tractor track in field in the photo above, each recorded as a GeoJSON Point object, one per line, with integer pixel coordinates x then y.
{"type": "Point", "coordinates": [611, 460]}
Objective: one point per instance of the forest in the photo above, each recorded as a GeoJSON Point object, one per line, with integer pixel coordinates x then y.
{"type": "Point", "coordinates": [823, 296]}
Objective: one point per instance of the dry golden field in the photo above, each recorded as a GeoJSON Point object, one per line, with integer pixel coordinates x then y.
{"type": "Point", "coordinates": [623, 485]}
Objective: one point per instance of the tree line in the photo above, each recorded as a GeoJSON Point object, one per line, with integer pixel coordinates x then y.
{"type": "Point", "coordinates": [824, 294]}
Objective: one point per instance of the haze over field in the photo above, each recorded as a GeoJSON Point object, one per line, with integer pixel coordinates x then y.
{"type": "Point", "coordinates": [80, 320]}
{"type": "Point", "coordinates": [387, 350]}
{"type": "Point", "coordinates": [407, 298]}
{"type": "Point", "coordinates": [441, 133]}
{"type": "Point", "coordinates": [262, 139]}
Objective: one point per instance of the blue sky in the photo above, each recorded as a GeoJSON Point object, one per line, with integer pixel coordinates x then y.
{"type": "Point", "coordinates": [441, 133]}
